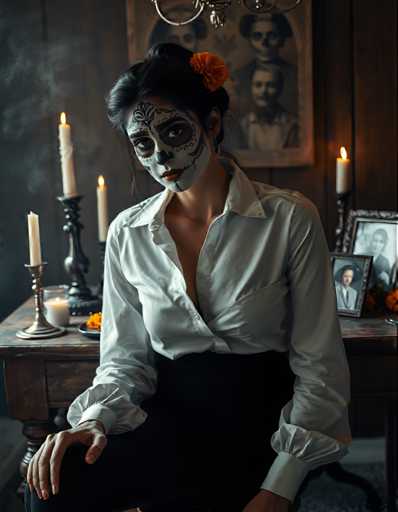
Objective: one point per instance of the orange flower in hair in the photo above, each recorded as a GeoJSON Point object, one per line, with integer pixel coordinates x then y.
{"type": "Point", "coordinates": [211, 67]}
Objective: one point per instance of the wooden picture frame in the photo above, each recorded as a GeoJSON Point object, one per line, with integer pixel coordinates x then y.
{"type": "Point", "coordinates": [357, 268]}
{"type": "Point", "coordinates": [374, 232]}
{"type": "Point", "coordinates": [260, 131]}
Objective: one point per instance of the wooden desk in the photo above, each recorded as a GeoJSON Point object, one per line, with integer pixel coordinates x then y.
{"type": "Point", "coordinates": [42, 377]}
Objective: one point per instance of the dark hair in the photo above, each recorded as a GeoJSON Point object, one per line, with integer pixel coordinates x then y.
{"type": "Point", "coordinates": [340, 272]}
{"type": "Point", "coordinates": [165, 73]}
{"type": "Point", "coordinates": [247, 21]}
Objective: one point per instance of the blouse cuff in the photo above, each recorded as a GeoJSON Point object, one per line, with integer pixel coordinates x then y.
{"type": "Point", "coordinates": [286, 475]}
{"type": "Point", "coordinates": [99, 412]}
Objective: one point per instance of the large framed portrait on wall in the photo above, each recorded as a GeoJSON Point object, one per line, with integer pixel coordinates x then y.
{"type": "Point", "coordinates": [269, 57]}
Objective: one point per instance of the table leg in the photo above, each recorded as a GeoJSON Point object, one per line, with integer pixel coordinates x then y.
{"type": "Point", "coordinates": [391, 455]}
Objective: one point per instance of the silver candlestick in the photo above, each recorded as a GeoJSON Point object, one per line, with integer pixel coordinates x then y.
{"type": "Point", "coordinates": [40, 328]}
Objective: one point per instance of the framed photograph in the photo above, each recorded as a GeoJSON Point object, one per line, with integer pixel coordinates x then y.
{"type": "Point", "coordinates": [350, 274]}
{"type": "Point", "coordinates": [374, 233]}
{"type": "Point", "coordinates": [269, 56]}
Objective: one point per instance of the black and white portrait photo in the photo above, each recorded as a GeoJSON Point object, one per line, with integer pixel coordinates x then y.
{"type": "Point", "coordinates": [375, 233]}
{"type": "Point", "coordinates": [269, 58]}
{"type": "Point", "coordinates": [350, 274]}
{"type": "Point", "coordinates": [268, 125]}
{"type": "Point", "coordinates": [188, 35]}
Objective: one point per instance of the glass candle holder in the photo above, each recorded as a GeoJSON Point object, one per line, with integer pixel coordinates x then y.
{"type": "Point", "coordinates": [56, 306]}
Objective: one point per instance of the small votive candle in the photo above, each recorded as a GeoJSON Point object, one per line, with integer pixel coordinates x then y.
{"type": "Point", "coordinates": [57, 311]}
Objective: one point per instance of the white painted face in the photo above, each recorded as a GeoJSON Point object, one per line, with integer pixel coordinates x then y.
{"type": "Point", "coordinates": [165, 138]}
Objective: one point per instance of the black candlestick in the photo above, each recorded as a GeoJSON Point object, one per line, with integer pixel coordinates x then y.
{"type": "Point", "coordinates": [80, 298]}
{"type": "Point", "coordinates": [102, 260]}
{"type": "Point", "coordinates": [342, 201]}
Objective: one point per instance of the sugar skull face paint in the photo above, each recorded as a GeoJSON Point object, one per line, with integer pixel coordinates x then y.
{"type": "Point", "coordinates": [168, 139]}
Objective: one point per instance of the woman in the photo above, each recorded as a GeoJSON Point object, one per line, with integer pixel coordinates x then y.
{"type": "Point", "coordinates": [207, 288]}
{"type": "Point", "coordinates": [381, 268]}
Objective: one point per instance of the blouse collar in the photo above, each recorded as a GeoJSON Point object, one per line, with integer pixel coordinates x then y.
{"type": "Point", "coordinates": [241, 199]}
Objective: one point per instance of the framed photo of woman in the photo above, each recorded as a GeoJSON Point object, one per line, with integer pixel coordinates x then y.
{"type": "Point", "coordinates": [351, 274]}
{"type": "Point", "coordinates": [374, 233]}
{"type": "Point", "coordinates": [269, 57]}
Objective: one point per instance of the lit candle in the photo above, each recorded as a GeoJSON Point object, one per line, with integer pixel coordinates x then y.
{"type": "Point", "coordinates": [66, 153]}
{"type": "Point", "coordinates": [34, 239]}
{"type": "Point", "coordinates": [102, 207]}
{"type": "Point", "coordinates": [343, 172]}
{"type": "Point", "coordinates": [57, 311]}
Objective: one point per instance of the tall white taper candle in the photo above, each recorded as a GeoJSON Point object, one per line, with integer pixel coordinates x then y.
{"type": "Point", "coordinates": [102, 207]}
{"type": "Point", "coordinates": [66, 153]}
{"type": "Point", "coordinates": [34, 239]}
{"type": "Point", "coordinates": [343, 172]}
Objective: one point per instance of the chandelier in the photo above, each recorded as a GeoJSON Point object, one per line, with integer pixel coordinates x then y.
{"type": "Point", "coordinates": [218, 9]}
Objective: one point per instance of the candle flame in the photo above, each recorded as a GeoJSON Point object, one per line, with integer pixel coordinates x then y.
{"type": "Point", "coordinates": [101, 181]}
{"type": "Point", "coordinates": [62, 118]}
{"type": "Point", "coordinates": [343, 153]}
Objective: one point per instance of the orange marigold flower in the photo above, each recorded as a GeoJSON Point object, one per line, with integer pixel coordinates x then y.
{"type": "Point", "coordinates": [392, 300]}
{"type": "Point", "coordinates": [94, 321]}
{"type": "Point", "coordinates": [211, 67]}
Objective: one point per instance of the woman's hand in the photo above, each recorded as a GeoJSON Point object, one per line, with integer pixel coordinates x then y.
{"type": "Point", "coordinates": [45, 465]}
{"type": "Point", "coordinates": [266, 501]}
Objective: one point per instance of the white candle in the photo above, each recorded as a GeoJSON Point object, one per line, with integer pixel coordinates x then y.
{"type": "Point", "coordinates": [57, 311]}
{"type": "Point", "coordinates": [343, 172]}
{"type": "Point", "coordinates": [34, 239]}
{"type": "Point", "coordinates": [66, 153]}
{"type": "Point", "coordinates": [102, 207]}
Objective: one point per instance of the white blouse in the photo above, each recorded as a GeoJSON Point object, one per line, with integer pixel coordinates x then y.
{"type": "Point", "coordinates": [264, 282]}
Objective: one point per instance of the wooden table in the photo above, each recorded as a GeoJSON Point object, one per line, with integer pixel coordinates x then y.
{"type": "Point", "coordinates": [42, 377]}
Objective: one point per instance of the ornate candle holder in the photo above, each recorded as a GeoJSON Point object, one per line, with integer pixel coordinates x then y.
{"type": "Point", "coordinates": [40, 328]}
{"type": "Point", "coordinates": [102, 260]}
{"type": "Point", "coordinates": [342, 202]}
{"type": "Point", "coordinates": [81, 299]}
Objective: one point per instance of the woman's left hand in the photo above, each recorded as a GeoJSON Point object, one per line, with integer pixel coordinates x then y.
{"type": "Point", "coordinates": [266, 501]}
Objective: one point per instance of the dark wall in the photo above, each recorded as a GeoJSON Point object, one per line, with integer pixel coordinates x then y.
{"type": "Point", "coordinates": [58, 55]}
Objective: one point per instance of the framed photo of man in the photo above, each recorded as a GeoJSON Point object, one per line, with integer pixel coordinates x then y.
{"type": "Point", "coordinates": [269, 57]}
{"type": "Point", "coordinates": [350, 274]}
{"type": "Point", "coordinates": [375, 233]}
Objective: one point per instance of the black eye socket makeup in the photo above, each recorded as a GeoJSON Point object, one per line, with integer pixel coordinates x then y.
{"type": "Point", "coordinates": [177, 134]}
{"type": "Point", "coordinates": [143, 145]}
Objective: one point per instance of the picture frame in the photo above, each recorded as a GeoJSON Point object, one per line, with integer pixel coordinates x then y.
{"type": "Point", "coordinates": [260, 130]}
{"type": "Point", "coordinates": [375, 233]}
{"type": "Point", "coordinates": [350, 275]}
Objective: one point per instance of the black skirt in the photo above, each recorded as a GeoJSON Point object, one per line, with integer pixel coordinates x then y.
{"type": "Point", "coordinates": [225, 408]}
{"type": "Point", "coordinates": [204, 446]}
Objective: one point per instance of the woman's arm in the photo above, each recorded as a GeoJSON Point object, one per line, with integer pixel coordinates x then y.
{"type": "Point", "coordinates": [313, 426]}
{"type": "Point", "coordinates": [126, 374]}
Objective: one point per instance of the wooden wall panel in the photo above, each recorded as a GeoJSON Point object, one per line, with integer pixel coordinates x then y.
{"type": "Point", "coordinates": [375, 116]}
{"type": "Point", "coordinates": [336, 41]}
